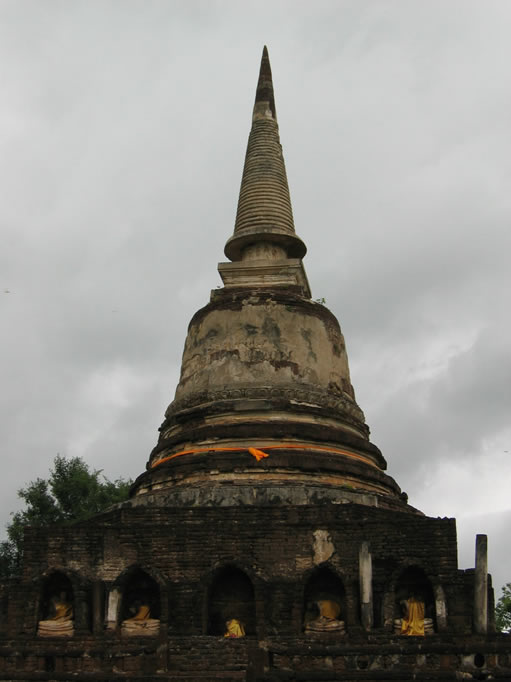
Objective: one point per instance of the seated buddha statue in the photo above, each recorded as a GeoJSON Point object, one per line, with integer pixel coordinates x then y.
{"type": "Point", "coordinates": [234, 629]}
{"type": "Point", "coordinates": [141, 622]}
{"type": "Point", "coordinates": [413, 622]}
{"type": "Point", "coordinates": [328, 619]}
{"type": "Point", "coordinates": [60, 622]}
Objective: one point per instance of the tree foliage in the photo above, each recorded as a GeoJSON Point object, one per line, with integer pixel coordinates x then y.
{"type": "Point", "coordinates": [503, 610]}
{"type": "Point", "coordinates": [72, 492]}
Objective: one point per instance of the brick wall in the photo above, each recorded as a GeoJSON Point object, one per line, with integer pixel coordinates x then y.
{"type": "Point", "coordinates": [279, 550]}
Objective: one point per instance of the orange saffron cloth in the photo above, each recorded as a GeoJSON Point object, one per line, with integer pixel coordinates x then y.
{"type": "Point", "coordinates": [197, 451]}
{"type": "Point", "coordinates": [234, 629]}
{"type": "Point", "coordinates": [258, 454]}
{"type": "Point", "coordinates": [413, 623]}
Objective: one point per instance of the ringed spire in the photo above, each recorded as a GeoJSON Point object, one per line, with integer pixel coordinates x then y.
{"type": "Point", "coordinates": [264, 214]}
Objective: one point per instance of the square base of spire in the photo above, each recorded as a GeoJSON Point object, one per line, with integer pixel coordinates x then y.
{"type": "Point", "coordinates": [285, 273]}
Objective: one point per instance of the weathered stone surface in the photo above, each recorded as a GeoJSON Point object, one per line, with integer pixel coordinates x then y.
{"type": "Point", "coordinates": [271, 340]}
{"type": "Point", "coordinates": [266, 368]}
{"type": "Point", "coordinates": [264, 208]}
{"type": "Point", "coordinates": [266, 543]}
{"type": "Point", "coordinates": [322, 546]}
{"type": "Point", "coordinates": [212, 533]}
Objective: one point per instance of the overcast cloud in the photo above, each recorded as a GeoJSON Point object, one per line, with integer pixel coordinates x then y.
{"type": "Point", "coordinates": [123, 128]}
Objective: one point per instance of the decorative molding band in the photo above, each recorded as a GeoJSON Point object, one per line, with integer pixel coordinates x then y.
{"type": "Point", "coordinates": [304, 395]}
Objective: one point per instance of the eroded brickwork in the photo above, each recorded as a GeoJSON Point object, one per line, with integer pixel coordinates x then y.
{"type": "Point", "coordinates": [218, 532]}
{"type": "Point", "coordinates": [277, 549]}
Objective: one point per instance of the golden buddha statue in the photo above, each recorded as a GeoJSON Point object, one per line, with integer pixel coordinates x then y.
{"type": "Point", "coordinates": [234, 629]}
{"type": "Point", "coordinates": [328, 619]}
{"type": "Point", "coordinates": [413, 622]}
{"type": "Point", "coordinates": [141, 622]}
{"type": "Point", "coordinates": [61, 622]}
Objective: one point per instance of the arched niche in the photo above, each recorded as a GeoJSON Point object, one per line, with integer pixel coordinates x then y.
{"type": "Point", "coordinates": [56, 612]}
{"type": "Point", "coordinates": [230, 596]}
{"type": "Point", "coordinates": [412, 585]}
{"type": "Point", "coordinates": [138, 603]}
{"type": "Point", "coordinates": [324, 602]}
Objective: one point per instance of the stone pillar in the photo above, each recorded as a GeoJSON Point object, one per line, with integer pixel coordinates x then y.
{"type": "Point", "coordinates": [81, 610]}
{"type": "Point", "coordinates": [114, 602]}
{"type": "Point", "coordinates": [481, 586]}
{"type": "Point", "coordinates": [98, 620]}
{"type": "Point", "coordinates": [365, 567]}
{"type": "Point", "coordinates": [440, 608]}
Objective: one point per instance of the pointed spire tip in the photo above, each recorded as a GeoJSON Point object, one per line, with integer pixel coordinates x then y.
{"type": "Point", "coordinates": [265, 99]}
{"type": "Point", "coordinates": [264, 216]}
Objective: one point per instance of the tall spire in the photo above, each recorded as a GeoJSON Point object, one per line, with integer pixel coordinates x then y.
{"type": "Point", "coordinates": [264, 213]}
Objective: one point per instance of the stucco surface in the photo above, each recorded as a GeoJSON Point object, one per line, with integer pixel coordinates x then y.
{"type": "Point", "coordinates": [263, 343]}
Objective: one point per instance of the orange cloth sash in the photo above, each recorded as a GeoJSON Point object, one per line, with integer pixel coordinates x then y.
{"type": "Point", "coordinates": [258, 454]}
{"type": "Point", "coordinates": [234, 629]}
{"type": "Point", "coordinates": [413, 623]}
{"type": "Point", "coordinates": [197, 451]}
{"type": "Point", "coordinates": [329, 609]}
{"type": "Point", "coordinates": [143, 613]}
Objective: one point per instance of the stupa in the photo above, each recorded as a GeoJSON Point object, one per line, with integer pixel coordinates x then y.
{"type": "Point", "coordinates": [264, 541]}
{"type": "Point", "coordinates": [265, 367]}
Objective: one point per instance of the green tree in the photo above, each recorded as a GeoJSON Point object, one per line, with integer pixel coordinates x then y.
{"type": "Point", "coordinates": [503, 610]}
{"type": "Point", "coordinates": [73, 492]}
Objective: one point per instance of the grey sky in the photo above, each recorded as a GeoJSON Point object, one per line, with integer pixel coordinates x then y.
{"type": "Point", "coordinates": [123, 128]}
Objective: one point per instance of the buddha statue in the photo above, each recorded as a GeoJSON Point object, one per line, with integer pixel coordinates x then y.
{"type": "Point", "coordinates": [234, 629]}
{"type": "Point", "coordinates": [141, 622]}
{"type": "Point", "coordinates": [328, 618]}
{"type": "Point", "coordinates": [413, 622]}
{"type": "Point", "coordinates": [60, 622]}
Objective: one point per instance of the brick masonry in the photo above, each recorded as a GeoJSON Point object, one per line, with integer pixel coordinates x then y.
{"type": "Point", "coordinates": [277, 549]}
{"type": "Point", "coordinates": [216, 535]}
